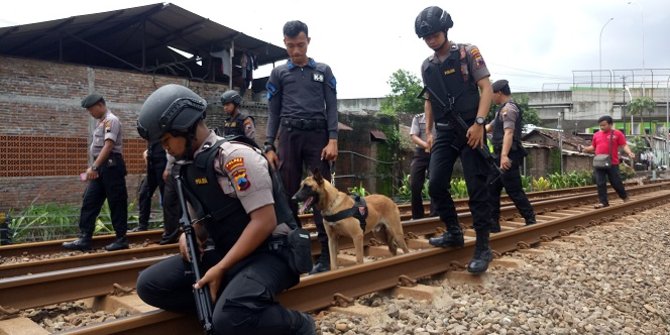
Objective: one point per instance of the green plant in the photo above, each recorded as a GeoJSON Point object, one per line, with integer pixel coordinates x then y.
{"type": "Point", "coordinates": [458, 188]}
{"type": "Point", "coordinates": [541, 184]}
{"type": "Point", "coordinates": [404, 192]}
{"type": "Point", "coordinates": [358, 190]}
{"type": "Point", "coordinates": [526, 183]}
{"type": "Point", "coordinates": [43, 222]}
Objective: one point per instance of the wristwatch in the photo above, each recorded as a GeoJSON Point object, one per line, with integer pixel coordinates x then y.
{"type": "Point", "coordinates": [94, 168]}
{"type": "Point", "coordinates": [480, 121]}
{"type": "Point", "coordinates": [269, 147]}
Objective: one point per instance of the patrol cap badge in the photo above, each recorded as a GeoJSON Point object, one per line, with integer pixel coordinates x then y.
{"type": "Point", "coordinates": [91, 100]}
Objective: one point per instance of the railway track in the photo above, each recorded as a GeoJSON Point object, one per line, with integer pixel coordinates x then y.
{"type": "Point", "coordinates": [147, 249]}
{"type": "Point", "coordinates": [34, 250]}
{"type": "Point", "coordinates": [558, 217]}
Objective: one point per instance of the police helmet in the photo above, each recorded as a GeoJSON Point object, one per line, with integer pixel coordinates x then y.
{"type": "Point", "coordinates": [431, 20]}
{"type": "Point", "coordinates": [170, 108]}
{"type": "Point", "coordinates": [231, 96]}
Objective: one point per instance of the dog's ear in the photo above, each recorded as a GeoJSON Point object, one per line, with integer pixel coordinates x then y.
{"type": "Point", "coordinates": [316, 174]}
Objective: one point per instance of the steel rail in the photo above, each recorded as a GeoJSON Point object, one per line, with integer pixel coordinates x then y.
{"type": "Point", "coordinates": [153, 236]}
{"type": "Point", "coordinates": [323, 290]}
{"type": "Point", "coordinates": [421, 227]}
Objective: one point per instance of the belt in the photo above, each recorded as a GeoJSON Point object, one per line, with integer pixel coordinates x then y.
{"type": "Point", "coordinates": [443, 126]}
{"type": "Point", "coordinates": [111, 155]}
{"type": "Point", "coordinates": [304, 124]}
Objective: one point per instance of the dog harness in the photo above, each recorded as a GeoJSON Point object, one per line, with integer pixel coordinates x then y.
{"type": "Point", "coordinates": [358, 211]}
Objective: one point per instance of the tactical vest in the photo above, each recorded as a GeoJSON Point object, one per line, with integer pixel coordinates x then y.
{"type": "Point", "coordinates": [499, 130]}
{"type": "Point", "coordinates": [226, 217]}
{"type": "Point", "coordinates": [452, 79]}
{"type": "Point", "coordinates": [234, 126]}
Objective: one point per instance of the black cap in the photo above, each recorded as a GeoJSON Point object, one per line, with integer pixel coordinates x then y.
{"type": "Point", "coordinates": [91, 100]}
{"type": "Point", "coordinates": [499, 85]}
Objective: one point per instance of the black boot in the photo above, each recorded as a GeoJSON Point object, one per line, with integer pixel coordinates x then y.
{"type": "Point", "coordinates": [120, 243]}
{"type": "Point", "coordinates": [483, 254]}
{"type": "Point", "coordinates": [530, 220]}
{"type": "Point", "coordinates": [139, 228]}
{"type": "Point", "coordinates": [480, 261]}
{"type": "Point", "coordinates": [169, 238]}
{"type": "Point", "coordinates": [83, 243]}
{"type": "Point", "coordinates": [448, 239]}
{"type": "Point", "coordinates": [495, 226]}
{"type": "Point", "coordinates": [322, 264]}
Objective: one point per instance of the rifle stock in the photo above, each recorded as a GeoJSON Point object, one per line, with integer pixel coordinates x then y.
{"type": "Point", "coordinates": [449, 111]}
{"type": "Point", "coordinates": [203, 300]}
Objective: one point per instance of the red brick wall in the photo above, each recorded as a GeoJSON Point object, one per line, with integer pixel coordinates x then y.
{"type": "Point", "coordinates": [44, 132]}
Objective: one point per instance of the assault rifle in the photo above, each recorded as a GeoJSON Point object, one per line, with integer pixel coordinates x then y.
{"type": "Point", "coordinates": [203, 301]}
{"type": "Point", "coordinates": [448, 110]}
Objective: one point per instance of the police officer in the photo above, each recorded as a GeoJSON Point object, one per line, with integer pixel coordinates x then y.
{"type": "Point", "coordinates": [106, 178]}
{"type": "Point", "coordinates": [419, 165]}
{"type": "Point", "coordinates": [236, 123]}
{"type": "Point", "coordinates": [509, 153]}
{"type": "Point", "coordinates": [237, 213]}
{"type": "Point", "coordinates": [156, 161]}
{"type": "Point", "coordinates": [457, 73]}
{"type": "Point", "coordinates": [303, 107]}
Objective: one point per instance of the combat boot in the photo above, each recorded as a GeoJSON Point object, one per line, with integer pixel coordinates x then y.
{"type": "Point", "coordinates": [448, 239]}
{"type": "Point", "coordinates": [480, 261]}
{"type": "Point", "coordinates": [322, 264]}
{"type": "Point", "coordinates": [120, 243]}
{"type": "Point", "coordinates": [83, 244]}
{"type": "Point", "coordinates": [531, 220]}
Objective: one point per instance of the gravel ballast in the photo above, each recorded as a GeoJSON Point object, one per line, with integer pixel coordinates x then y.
{"type": "Point", "coordinates": [616, 284]}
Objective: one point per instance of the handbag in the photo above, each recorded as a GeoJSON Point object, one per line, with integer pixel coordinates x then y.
{"type": "Point", "coordinates": [604, 161]}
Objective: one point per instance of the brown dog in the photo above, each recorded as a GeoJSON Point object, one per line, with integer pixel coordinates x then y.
{"type": "Point", "coordinates": [383, 217]}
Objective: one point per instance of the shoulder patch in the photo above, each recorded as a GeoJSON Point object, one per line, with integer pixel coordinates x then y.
{"type": "Point", "coordinates": [234, 163]}
{"type": "Point", "coordinates": [477, 58]}
{"type": "Point", "coordinates": [241, 180]}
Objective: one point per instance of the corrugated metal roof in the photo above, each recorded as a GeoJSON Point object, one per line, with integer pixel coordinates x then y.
{"type": "Point", "coordinates": [136, 39]}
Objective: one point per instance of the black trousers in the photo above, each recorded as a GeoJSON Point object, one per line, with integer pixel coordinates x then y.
{"type": "Point", "coordinates": [448, 146]}
{"type": "Point", "coordinates": [246, 303]}
{"type": "Point", "coordinates": [299, 147]}
{"type": "Point", "coordinates": [511, 181]}
{"type": "Point", "coordinates": [601, 183]}
{"type": "Point", "coordinates": [171, 208]}
{"type": "Point", "coordinates": [417, 177]}
{"type": "Point", "coordinates": [110, 185]}
{"type": "Point", "coordinates": [153, 180]}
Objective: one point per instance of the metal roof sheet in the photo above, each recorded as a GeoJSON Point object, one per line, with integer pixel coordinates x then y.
{"type": "Point", "coordinates": [134, 38]}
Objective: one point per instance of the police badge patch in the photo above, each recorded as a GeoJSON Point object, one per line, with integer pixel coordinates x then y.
{"type": "Point", "coordinates": [317, 77]}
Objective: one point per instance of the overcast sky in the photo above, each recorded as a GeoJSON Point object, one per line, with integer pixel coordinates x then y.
{"type": "Point", "coordinates": [534, 44]}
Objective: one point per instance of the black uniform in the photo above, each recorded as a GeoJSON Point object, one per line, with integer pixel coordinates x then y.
{"type": "Point", "coordinates": [456, 79]}
{"type": "Point", "coordinates": [246, 302]}
{"type": "Point", "coordinates": [239, 125]}
{"type": "Point", "coordinates": [156, 162]}
{"type": "Point", "coordinates": [509, 115]}
{"type": "Point", "coordinates": [303, 108]}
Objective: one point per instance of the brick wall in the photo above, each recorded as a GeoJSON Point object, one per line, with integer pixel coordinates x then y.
{"type": "Point", "coordinates": [44, 132]}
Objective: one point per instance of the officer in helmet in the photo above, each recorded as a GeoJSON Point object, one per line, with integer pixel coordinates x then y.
{"type": "Point", "coordinates": [236, 212]}
{"type": "Point", "coordinates": [457, 73]}
{"type": "Point", "coordinates": [236, 123]}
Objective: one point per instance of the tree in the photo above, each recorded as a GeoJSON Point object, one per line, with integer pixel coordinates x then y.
{"type": "Point", "coordinates": [640, 105]}
{"type": "Point", "coordinates": [529, 114]}
{"type": "Point", "coordinates": [405, 88]}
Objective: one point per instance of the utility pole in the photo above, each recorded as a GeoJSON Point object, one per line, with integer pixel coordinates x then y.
{"type": "Point", "coordinates": [623, 107]}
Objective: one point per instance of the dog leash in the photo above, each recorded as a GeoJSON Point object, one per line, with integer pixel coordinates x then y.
{"type": "Point", "coordinates": [332, 172]}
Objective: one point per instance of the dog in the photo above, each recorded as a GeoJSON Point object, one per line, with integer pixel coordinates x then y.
{"type": "Point", "coordinates": [382, 216]}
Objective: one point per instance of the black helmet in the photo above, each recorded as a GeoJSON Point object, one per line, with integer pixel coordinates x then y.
{"type": "Point", "coordinates": [231, 96]}
{"type": "Point", "coordinates": [171, 108]}
{"type": "Point", "coordinates": [431, 20]}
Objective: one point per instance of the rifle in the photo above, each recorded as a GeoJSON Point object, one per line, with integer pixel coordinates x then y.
{"type": "Point", "coordinates": [449, 112]}
{"type": "Point", "coordinates": [203, 301]}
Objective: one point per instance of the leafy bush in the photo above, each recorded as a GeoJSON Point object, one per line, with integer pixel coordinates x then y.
{"type": "Point", "coordinates": [541, 184]}
{"type": "Point", "coordinates": [458, 188]}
